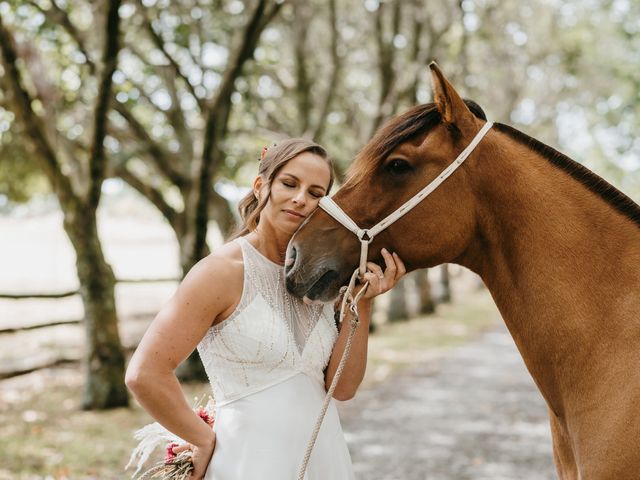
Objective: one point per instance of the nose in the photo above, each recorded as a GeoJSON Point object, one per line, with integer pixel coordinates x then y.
{"type": "Point", "coordinates": [299, 199]}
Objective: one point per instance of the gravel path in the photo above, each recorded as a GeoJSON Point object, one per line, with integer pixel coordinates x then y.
{"type": "Point", "coordinates": [473, 414]}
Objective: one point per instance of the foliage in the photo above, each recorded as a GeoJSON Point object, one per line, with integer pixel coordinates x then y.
{"type": "Point", "coordinates": [558, 70]}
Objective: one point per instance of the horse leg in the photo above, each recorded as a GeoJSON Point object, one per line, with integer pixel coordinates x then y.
{"type": "Point", "coordinates": [562, 451]}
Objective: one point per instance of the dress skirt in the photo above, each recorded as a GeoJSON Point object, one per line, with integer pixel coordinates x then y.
{"type": "Point", "coordinates": [264, 436]}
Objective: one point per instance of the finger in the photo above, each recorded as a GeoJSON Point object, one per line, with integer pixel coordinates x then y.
{"type": "Point", "coordinates": [181, 448]}
{"type": "Point", "coordinates": [375, 268]}
{"type": "Point", "coordinates": [374, 285]}
{"type": "Point", "coordinates": [401, 268]}
{"type": "Point", "coordinates": [390, 272]}
{"type": "Point", "coordinates": [373, 279]}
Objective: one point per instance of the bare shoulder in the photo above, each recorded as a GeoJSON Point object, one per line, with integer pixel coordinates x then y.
{"type": "Point", "coordinates": [216, 280]}
{"type": "Point", "coordinates": [225, 261]}
{"type": "Point", "coordinates": [210, 289]}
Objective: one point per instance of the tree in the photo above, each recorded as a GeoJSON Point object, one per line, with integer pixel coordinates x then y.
{"type": "Point", "coordinates": [398, 310]}
{"type": "Point", "coordinates": [423, 286]}
{"type": "Point", "coordinates": [172, 125]}
{"type": "Point", "coordinates": [76, 176]}
{"type": "Point", "coordinates": [192, 116]}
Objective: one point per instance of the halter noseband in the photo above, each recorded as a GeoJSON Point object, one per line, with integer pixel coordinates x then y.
{"type": "Point", "coordinates": [366, 235]}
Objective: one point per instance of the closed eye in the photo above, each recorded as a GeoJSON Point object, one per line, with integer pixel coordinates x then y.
{"type": "Point", "coordinates": [314, 194]}
{"type": "Point", "coordinates": [398, 166]}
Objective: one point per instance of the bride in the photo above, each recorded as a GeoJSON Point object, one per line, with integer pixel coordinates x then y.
{"type": "Point", "coordinates": [270, 357]}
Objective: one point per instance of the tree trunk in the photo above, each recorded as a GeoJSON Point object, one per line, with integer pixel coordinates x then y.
{"type": "Point", "coordinates": [445, 295]}
{"type": "Point", "coordinates": [104, 361]}
{"type": "Point", "coordinates": [398, 310]}
{"type": "Point", "coordinates": [191, 369]}
{"type": "Point", "coordinates": [426, 305]}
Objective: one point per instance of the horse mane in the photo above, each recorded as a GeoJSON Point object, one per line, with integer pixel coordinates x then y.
{"type": "Point", "coordinates": [582, 174]}
{"type": "Point", "coordinates": [418, 120]}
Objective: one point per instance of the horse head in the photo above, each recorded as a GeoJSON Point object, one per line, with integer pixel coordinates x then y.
{"type": "Point", "coordinates": [406, 153]}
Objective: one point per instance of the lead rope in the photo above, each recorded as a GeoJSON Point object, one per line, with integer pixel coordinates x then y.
{"type": "Point", "coordinates": [352, 303]}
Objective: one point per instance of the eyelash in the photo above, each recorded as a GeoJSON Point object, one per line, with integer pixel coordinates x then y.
{"type": "Point", "coordinates": [291, 185]}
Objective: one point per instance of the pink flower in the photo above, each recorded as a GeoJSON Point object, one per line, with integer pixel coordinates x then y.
{"type": "Point", "coordinates": [205, 416]}
{"type": "Point", "coordinates": [170, 455]}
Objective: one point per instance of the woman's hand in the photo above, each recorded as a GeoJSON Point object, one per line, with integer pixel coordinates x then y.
{"type": "Point", "coordinates": [200, 458]}
{"type": "Point", "coordinates": [379, 281]}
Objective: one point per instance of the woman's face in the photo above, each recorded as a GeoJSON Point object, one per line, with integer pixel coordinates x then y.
{"type": "Point", "coordinates": [295, 192]}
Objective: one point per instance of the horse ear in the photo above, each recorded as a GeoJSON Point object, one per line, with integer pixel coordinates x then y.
{"type": "Point", "coordinates": [448, 101]}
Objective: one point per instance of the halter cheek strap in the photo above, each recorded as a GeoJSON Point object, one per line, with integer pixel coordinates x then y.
{"type": "Point", "coordinates": [365, 235]}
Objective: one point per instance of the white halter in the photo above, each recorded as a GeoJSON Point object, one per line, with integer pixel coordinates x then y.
{"type": "Point", "coordinates": [366, 235]}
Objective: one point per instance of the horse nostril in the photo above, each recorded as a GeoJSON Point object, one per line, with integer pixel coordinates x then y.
{"type": "Point", "coordinates": [290, 260]}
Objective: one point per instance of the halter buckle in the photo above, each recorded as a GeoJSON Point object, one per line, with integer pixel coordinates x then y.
{"type": "Point", "coordinates": [365, 236]}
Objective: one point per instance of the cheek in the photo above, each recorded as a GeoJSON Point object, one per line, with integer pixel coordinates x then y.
{"type": "Point", "coordinates": [276, 193]}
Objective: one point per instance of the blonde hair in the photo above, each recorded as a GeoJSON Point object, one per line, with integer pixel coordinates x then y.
{"type": "Point", "coordinates": [271, 163]}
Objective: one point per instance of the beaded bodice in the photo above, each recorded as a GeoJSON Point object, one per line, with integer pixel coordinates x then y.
{"type": "Point", "coordinates": [270, 336]}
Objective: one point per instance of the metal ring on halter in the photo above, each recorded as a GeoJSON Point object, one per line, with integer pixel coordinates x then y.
{"type": "Point", "coordinates": [364, 250]}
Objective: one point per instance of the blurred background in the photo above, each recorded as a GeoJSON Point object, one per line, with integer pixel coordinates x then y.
{"type": "Point", "coordinates": [129, 130]}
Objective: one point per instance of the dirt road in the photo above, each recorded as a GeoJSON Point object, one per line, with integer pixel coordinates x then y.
{"type": "Point", "coordinates": [473, 414]}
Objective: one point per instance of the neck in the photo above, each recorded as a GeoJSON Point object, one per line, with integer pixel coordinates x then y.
{"type": "Point", "coordinates": [270, 242]}
{"type": "Point", "coordinates": [562, 266]}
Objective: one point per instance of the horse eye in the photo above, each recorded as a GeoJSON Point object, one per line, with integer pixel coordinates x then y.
{"type": "Point", "coordinates": [398, 166]}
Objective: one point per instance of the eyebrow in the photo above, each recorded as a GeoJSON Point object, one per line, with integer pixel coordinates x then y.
{"type": "Point", "coordinates": [297, 179]}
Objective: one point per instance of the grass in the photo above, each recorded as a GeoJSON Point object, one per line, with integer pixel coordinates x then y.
{"type": "Point", "coordinates": [45, 436]}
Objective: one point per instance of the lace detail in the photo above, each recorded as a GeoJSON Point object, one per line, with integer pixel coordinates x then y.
{"type": "Point", "coordinates": [270, 337]}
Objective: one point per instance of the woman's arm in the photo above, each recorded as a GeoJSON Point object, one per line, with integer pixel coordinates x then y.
{"type": "Point", "coordinates": [354, 369]}
{"type": "Point", "coordinates": [205, 292]}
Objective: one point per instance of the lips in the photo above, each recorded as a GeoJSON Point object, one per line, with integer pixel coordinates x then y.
{"type": "Point", "coordinates": [291, 212]}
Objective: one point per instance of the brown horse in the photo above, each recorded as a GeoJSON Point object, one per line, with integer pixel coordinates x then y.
{"type": "Point", "coordinates": [557, 246]}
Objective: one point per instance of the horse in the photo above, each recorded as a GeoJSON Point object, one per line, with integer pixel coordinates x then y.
{"type": "Point", "coordinates": [556, 245]}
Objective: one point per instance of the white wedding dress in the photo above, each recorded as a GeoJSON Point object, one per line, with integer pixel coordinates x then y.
{"type": "Point", "coordinates": [265, 364]}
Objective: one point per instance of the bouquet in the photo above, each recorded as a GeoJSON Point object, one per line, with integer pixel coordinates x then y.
{"type": "Point", "coordinates": [175, 466]}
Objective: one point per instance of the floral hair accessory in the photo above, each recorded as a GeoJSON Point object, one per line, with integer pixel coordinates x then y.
{"type": "Point", "coordinates": [265, 149]}
{"type": "Point", "coordinates": [264, 152]}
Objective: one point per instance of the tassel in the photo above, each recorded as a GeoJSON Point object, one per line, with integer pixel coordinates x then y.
{"type": "Point", "coordinates": [149, 437]}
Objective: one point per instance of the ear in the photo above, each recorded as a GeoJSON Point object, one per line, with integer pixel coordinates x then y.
{"type": "Point", "coordinates": [451, 106]}
{"type": "Point", "coordinates": [257, 186]}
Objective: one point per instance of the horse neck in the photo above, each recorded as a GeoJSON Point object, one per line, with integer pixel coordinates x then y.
{"type": "Point", "coordinates": [561, 264]}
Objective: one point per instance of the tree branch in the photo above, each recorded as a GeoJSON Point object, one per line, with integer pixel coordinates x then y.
{"type": "Point", "coordinates": [151, 193]}
{"type": "Point", "coordinates": [97, 160]}
{"type": "Point", "coordinates": [218, 116]}
{"type": "Point", "coordinates": [158, 41]}
{"type": "Point", "coordinates": [335, 71]}
{"type": "Point", "coordinates": [221, 213]}
{"type": "Point", "coordinates": [58, 16]}
{"type": "Point", "coordinates": [385, 63]}
{"type": "Point", "coordinates": [33, 124]}
{"type": "Point", "coordinates": [303, 83]}
{"type": "Point", "coordinates": [176, 117]}
{"type": "Point", "coordinates": [253, 29]}
{"type": "Point", "coordinates": [220, 105]}
{"type": "Point", "coordinates": [161, 157]}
